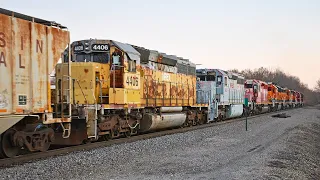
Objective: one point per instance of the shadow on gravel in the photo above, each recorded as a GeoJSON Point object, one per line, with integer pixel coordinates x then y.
{"type": "Point", "coordinates": [300, 159]}
{"type": "Point", "coordinates": [281, 115]}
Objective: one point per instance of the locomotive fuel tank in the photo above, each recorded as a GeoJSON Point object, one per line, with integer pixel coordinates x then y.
{"type": "Point", "coordinates": [151, 122]}
{"type": "Point", "coordinates": [264, 109]}
{"type": "Point", "coordinates": [279, 107]}
{"type": "Point", "coordinates": [171, 109]}
{"type": "Point", "coordinates": [235, 110]}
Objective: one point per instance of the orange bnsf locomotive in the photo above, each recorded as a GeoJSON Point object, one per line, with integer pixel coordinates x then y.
{"type": "Point", "coordinates": [263, 97]}
{"type": "Point", "coordinates": [106, 89]}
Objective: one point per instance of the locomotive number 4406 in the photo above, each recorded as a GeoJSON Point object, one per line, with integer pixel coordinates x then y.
{"type": "Point", "coordinates": [100, 47]}
{"type": "Point", "coordinates": [132, 81]}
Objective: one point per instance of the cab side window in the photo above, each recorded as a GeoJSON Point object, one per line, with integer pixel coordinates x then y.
{"type": "Point", "coordinates": [116, 60]}
{"type": "Point", "coordinates": [132, 65]}
{"type": "Point", "coordinates": [219, 80]}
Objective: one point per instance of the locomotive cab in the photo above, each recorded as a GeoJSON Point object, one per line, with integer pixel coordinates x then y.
{"type": "Point", "coordinates": [108, 67]}
{"type": "Point", "coordinates": [100, 77]}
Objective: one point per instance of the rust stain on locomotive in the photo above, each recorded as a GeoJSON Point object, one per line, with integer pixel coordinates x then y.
{"type": "Point", "coordinates": [167, 89]}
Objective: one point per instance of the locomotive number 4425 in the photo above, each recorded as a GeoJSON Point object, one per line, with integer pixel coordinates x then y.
{"type": "Point", "coordinates": [132, 81]}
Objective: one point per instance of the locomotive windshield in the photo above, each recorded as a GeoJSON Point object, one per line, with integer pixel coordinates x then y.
{"type": "Point", "coordinates": [248, 85]}
{"type": "Point", "coordinates": [206, 77]}
{"type": "Point", "coordinates": [102, 57]}
{"type": "Point", "coordinates": [89, 51]}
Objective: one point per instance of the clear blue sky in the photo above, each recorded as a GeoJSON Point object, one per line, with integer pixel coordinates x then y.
{"type": "Point", "coordinates": [217, 34]}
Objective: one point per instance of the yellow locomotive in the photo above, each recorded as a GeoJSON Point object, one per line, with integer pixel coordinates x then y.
{"type": "Point", "coordinates": [105, 89]}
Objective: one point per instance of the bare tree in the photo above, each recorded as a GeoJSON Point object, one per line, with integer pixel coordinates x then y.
{"type": "Point", "coordinates": [317, 88]}
{"type": "Point", "coordinates": [282, 79]}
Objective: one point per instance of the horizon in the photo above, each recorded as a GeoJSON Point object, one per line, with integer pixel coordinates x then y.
{"type": "Point", "coordinates": [235, 35]}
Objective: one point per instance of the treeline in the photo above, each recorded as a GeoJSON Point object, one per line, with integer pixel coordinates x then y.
{"type": "Point", "coordinates": [282, 79]}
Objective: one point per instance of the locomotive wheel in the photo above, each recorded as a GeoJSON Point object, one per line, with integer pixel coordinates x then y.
{"type": "Point", "coordinates": [106, 137]}
{"type": "Point", "coordinates": [199, 121]}
{"type": "Point", "coordinates": [45, 145]}
{"type": "Point", "coordinates": [128, 133]}
{"type": "Point", "coordinates": [7, 149]}
{"type": "Point", "coordinates": [194, 122]}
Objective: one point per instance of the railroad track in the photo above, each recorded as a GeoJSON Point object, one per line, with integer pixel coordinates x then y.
{"type": "Point", "coordinates": [18, 160]}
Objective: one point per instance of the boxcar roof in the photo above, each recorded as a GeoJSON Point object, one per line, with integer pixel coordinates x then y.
{"type": "Point", "coordinates": [30, 18]}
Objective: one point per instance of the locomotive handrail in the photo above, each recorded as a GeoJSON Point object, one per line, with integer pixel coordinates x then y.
{"type": "Point", "coordinates": [81, 90]}
{"type": "Point", "coordinates": [93, 95]}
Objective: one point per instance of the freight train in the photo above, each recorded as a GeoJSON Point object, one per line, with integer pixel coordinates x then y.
{"type": "Point", "coordinates": [105, 89]}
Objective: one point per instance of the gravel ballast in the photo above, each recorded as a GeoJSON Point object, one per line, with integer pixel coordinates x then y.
{"type": "Point", "coordinates": [272, 148]}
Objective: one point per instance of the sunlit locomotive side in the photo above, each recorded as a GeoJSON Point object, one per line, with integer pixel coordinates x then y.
{"type": "Point", "coordinates": [256, 96]}
{"type": "Point", "coordinates": [294, 98]}
{"type": "Point", "coordinates": [119, 89]}
{"type": "Point", "coordinates": [300, 99]}
{"type": "Point", "coordinates": [281, 98]}
{"type": "Point", "coordinates": [272, 96]}
{"type": "Point", "coordinates": [223, 90]}
{"type": "Point", "coordinates": [288, 98]}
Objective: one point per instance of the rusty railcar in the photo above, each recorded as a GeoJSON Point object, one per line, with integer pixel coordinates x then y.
{"type": "Point", "coordinates": [121, 89]}
{"type": "Point", "coordinates": [29, 50]}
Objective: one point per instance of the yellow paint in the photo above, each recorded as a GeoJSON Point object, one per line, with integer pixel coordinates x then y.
{"type": "Point", "coordinates": [133, 96]}
{"type": "Point", "coordinates": [142, 87]}
{"type": "Point", "coordinates": [124, 96]}
{"type": "Point", "coordinates": [117, 96]}
{"type": "Point", "coordinates": [167, 89]}
{"type": "Point", "coordinates": [86, 88]}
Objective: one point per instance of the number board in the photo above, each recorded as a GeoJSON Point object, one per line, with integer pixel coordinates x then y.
{"type": "Point", "coordinates": [132, 81]}
{"type": "Point", "coordinates": [78, 48]}
{"type": "Point", "coordinates": [100, 47]}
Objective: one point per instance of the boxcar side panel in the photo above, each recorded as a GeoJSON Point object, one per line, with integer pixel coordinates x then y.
{"type": "Point", "coordinates": [5, 65]}
{"type": "Point", "coordinates": [21, 89]}
{"type": "Point", "coordinates": [39, 67]}
{"type": "Point", "coordinates": [28, 54]}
